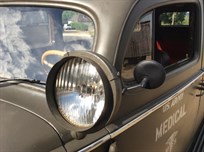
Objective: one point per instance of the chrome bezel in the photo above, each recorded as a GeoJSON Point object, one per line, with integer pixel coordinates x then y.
{"type": "Point", "coordinates": [110, 81]}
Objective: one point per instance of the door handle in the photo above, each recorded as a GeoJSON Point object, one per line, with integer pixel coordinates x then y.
{"type": "Point", "coordinates": [202, 84]}
{"type": "Point", "coordinates": [199, 95]}
{"type": "Point", "coordinates": [201, 88]}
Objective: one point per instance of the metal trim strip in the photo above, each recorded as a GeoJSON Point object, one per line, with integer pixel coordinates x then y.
{"type": "Point", "coordinates": [96, 144]}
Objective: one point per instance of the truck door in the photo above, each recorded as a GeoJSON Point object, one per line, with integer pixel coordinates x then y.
{"type": "Point", "coordinates": [200, 118]}
{"type": "Point", "coordinates": [161, 119]}
{"type": "Point", "coordinates": [201, 108]}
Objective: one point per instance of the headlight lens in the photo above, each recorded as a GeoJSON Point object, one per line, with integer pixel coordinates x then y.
{"type": "Point", "coordinates": [80, 94]}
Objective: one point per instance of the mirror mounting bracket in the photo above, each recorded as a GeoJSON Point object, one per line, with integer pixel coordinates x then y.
{"type": "Point", "coordinates": [147, 74]}
{"type": "Point", "coordinates": [141, 85]}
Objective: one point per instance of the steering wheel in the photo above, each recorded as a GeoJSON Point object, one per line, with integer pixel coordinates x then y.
{"type": "Point", "coordinates": [50, 53]}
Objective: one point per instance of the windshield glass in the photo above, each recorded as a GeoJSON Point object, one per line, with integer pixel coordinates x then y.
{"type": "Point", "coordinates": [33, 39]}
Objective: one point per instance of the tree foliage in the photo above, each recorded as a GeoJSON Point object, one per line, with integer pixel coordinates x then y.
{"type": "Point", "coordinates": [174, 18]}
{"type": "Point", "coordinates": [79, 26]}
{"type": "Point", "coordinates": [67, 15]}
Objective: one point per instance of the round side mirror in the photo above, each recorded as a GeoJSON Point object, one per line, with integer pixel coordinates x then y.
{"type": "Point", "coordinates": [150, 74]}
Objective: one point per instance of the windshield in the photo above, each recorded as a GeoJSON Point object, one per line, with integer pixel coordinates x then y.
{"type": "Point", "coordinates": [33, 39]}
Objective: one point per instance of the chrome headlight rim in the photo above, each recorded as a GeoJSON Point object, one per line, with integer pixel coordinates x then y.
{"type": "Point", "coordinates": [110, 106]}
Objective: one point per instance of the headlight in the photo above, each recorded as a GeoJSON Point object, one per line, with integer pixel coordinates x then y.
{"type": "Point", "coordinates": [80, 93]}
{"type": "Point", "coordinates": [83, 91]}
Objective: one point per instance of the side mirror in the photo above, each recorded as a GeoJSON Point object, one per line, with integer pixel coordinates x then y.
{"type": "Point", "coordinates": [148, 74]}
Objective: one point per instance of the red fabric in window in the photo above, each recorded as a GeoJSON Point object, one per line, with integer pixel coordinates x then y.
{"type": "Point", "coordinates": [158, 46]}
{"type": "Point", "coordinates": [175, 41]}
{"type": "Point", "coordinates": [177, 50]}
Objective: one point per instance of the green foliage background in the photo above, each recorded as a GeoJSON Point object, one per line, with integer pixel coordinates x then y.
{"type": "Point", "coordinates": [76, 25]}
{"type": "Point", "coordinates": [67, 15]}
{"type": "Point", "coordinates": [174, 18]}
{"type": "Point", "coordinates": [79, 26]}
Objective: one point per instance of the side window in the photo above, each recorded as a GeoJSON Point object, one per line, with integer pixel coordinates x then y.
{"type": "Point", "coordinates": [166, 35]}
{"type": "Point", "coordinates": [174, 32]}
{"type": "Point", "coordinates": [139, 47]}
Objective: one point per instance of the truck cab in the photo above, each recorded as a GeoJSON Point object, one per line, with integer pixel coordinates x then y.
{"type": "Point", "coordinates": [101, 75]}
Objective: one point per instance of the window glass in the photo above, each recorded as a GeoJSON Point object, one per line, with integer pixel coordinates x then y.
{"type": "Point", "coordinates": [167, 38]}
{"type": "Point", "coordinates": [174, 35]}
{"type": "Point", "coordinates": [33, 39]}
{"type": "Point", "coordinates": [174, 19]}
{"type": "Point", "coordinates": [139, 47]}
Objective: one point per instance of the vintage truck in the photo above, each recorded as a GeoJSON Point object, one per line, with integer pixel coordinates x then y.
{"type": "Point", "coordinates": [127, 76]}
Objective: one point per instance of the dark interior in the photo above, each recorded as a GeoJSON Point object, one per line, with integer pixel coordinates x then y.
{"type": "Point", "coordinates": [173, 43]}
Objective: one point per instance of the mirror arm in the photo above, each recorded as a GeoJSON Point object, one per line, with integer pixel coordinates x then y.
{"type": "Point", "coordinates": [144, 82]}
{"type": "Point", "coordinates": [141, 85]}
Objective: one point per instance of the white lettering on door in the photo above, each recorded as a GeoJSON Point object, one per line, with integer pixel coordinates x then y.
{"type": "Point", "coordinates": [173, 102]}
{"type": "Point", "coordinates": [170, 122]}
